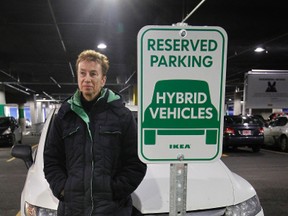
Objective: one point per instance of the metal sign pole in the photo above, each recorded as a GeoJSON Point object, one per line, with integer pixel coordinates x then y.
{"type": "Point", "coordinates": [178, 189]}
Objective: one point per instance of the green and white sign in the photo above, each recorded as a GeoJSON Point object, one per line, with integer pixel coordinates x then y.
{"type": "Point", "coordinates": [181, 83]}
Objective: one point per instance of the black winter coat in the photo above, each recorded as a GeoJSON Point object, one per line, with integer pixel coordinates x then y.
{"type": "Point", "coordinates": [93, 158]}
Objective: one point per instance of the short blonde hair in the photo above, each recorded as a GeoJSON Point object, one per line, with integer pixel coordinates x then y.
{"type": "Point", "coordinates": [92, 55]}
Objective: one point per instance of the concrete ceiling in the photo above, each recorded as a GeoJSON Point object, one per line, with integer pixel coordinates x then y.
{"type": "Point", "coordinates": [40, 39]}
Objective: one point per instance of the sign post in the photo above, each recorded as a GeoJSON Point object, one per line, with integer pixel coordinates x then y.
{"type": "Point", "coordinates": [181, 83]}
{"type": "Point", "coordinates": [178, 188]}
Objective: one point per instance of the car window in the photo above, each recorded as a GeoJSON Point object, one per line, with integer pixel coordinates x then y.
{"type": "Point", "coordinates": [254, 121]}
{"type": "Point", "coordinates": [228, 120]}
{"type": "Point", "coordinates": [4, 122]}
{"type": "Point", "coordinates": [238, 120]}
{"type": "Point", "coordinates": [281, 121]}
{"type": "Point", "coordinates": [13, 120]}
{"type": "Point", "coordinates": [272, 123]}
{"type": "Point", "coordinates": [243, 120]}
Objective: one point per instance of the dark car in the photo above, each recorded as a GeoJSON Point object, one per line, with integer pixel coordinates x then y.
{"type": "Point", "coordinates": [243, 131]}
{"type": "Point", "coordinates": [10, 132]}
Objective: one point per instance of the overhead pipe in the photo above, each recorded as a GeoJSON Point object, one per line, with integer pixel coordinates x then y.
{"type": "Point", "coordinates": [192, 11]}
{"type": "Point", "coordinates": [13, 87]}
{"type": "Point", "coordinates": [60, 37]}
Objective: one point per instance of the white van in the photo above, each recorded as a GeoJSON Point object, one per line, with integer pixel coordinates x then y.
{"type": "Point", "coordinates": [212, 189]}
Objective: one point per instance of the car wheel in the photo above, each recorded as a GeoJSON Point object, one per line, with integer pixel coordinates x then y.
{"type": "Point", "coordinates": [256, 148]}
{"type": "Point", "coordinates": [284, 144]}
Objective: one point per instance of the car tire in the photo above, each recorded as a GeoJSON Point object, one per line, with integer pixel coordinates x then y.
{"type": "Point", "coordinates": [284, 144]}
{"type": "Point", "coordinates": [256, 148]}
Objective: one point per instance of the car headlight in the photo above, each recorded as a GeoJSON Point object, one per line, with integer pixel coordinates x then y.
{"type": "Point", "coordinates": [31, 210]}
{"type": "Point", "coordinates": [7, 131]}
{"type": "Point", "coordinates": [250, 207]}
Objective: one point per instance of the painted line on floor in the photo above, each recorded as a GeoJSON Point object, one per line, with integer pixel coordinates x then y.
{"type": "Point", "coordinates": [11, 159]}
{"type": "Point", "coordinates": [275, 152]}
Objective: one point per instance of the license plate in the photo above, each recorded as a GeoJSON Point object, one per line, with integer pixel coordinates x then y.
{"type": "Point", "coordinates": [246, 132]}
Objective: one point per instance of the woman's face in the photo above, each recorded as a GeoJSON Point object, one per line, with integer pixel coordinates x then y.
{"type": "Point", "coordinates": [90, 79]}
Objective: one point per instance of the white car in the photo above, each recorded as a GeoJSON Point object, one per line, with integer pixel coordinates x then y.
{"type": "Point", "coordinates": [212, 189]}
{"type": "Point", "coordinates": [276, 133]}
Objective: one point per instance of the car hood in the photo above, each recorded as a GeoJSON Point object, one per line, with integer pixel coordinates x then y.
{"type": "Point", "coordinates": [37, 192]}
{"type": "Point", "coordinates": [209, 185]}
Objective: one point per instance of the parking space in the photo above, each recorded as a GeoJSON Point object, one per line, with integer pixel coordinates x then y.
{"type": "Point", "coordinates": [267, 172]}
{"type": "Point", "coordinates": [12, 178]}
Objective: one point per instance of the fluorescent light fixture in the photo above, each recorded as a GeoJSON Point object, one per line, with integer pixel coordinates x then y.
{"type": "Point", "coordinates": [102, 46]}
{"type": "Point", "coordinates": [51, 98]}
{"type": "Point", "coordinates": [56, 83]}
{"type": "Point", "coordinates": [18, 89]}
{"type": "Point", "coordinates": [259, 49]}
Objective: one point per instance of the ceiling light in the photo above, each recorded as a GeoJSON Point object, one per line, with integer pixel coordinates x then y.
{"type": "Point", "coordinates": [55, 81]}
{"type": "Point", "coordinates": [102, 46]}
{"type": "Point", "coordinates": [259, 49]}
{"type": "Point", "coordinates": [20, 90]}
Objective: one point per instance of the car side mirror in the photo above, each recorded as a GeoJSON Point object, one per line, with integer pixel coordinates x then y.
{"type": "Point", "coordinates": [23, 152]}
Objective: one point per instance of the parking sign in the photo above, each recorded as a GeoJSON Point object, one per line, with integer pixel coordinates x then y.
{"type": "Point", "coordinates": [181, 83]}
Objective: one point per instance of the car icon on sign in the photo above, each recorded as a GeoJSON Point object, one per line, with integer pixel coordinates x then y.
{"type": "Point", "coordinates": [181, 116]}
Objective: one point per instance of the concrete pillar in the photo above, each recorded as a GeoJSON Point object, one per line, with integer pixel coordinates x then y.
{"type": "Point", "coordinates": [39, 112]}
{"type": "Point", "coordinates": [36, 115]}
{"type": "Point", "coordinates": [22, 120]}
{"type": "Point", "coordinates": [237, 103]}
{"type": "Point", "coordinates": [2, 101]}
{"type": "Point", "coordinates": [36, 111]}
{"type": "Point", "coordinates": [33, 111]}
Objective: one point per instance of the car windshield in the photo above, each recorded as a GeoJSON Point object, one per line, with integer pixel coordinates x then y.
{"type": "Point", "coordinates": [243, 120]}
{"type": "Point", "coordinates": [4, 122]}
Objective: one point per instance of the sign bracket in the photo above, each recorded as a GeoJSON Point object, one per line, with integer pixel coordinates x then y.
{"type": "Point", "coordinates": [193, 11]}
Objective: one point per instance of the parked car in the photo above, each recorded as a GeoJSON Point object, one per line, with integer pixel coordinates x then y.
{"type": "Point", "coordinates": [243, 131]}
{"type": "Point", "coordinates": [276, 133]}
{"type": "Point", "coordinates": [10, 131]}
{"type": "Point", "coordinates": [212, 189]}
